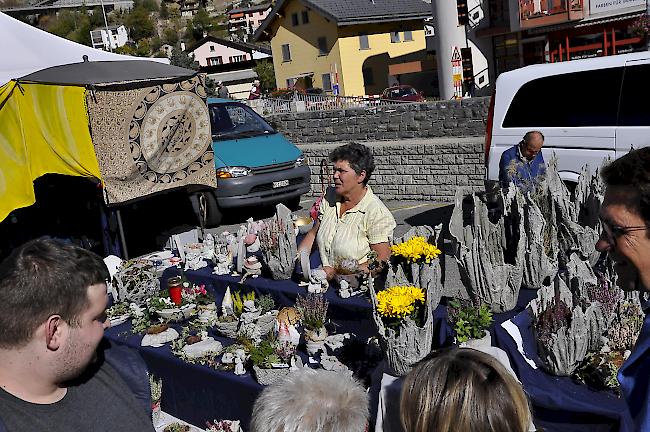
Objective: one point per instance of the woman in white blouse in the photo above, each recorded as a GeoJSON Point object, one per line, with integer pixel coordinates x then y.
{"type": "Point", "coordinates": [352, 220]}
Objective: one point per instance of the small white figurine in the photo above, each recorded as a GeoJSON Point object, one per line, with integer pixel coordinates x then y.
{"type": "Point", "coordinates": [227, 306]}
{"type": "Point", "coordinates": [239, 366]}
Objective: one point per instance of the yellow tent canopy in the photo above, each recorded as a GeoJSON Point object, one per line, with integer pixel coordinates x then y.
{"type": "Point", "coordinates": [43, 129]}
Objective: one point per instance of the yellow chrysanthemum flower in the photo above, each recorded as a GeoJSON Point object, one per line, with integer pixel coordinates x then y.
{"type": "Point", "coordinates": [416, 249]}
{"type": "Point", "coordinates": [398, 301]}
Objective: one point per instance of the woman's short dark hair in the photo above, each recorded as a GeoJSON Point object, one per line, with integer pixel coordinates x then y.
{"type": "Point", "coordinates": [358, 156]}
{"type": "Point", "coordinates": [632, 170]}
{"type": "Point", "coordinates": [461, 389]}
{"type": "Point", "coordinates": [41, 278]}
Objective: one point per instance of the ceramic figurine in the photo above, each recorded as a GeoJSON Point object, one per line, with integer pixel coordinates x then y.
{"type": "Point", "coordinates": [228, 358]}
{"type": "Point", "coordinates": [239, 366]}
{"type": "Point", "coordinates": [344, 289]}
{"type": "Point", "coordinates": [227, 307]}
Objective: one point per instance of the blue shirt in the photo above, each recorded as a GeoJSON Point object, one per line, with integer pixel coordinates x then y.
{"type": "Point", "coordinates": [634, 377]}
{"type": "Point", "coordinates": [515, 168]}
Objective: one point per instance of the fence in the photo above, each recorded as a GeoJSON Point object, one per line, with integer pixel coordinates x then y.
{"type": "Point", "coordinates": [298, 102]}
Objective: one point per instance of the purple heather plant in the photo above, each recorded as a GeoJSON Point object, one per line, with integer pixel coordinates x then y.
{"type": "Point", "coordinates": [313, 310]}
{"type": "Point", "coordinates": [556, 316]}
{"type": "Point", "coordinates": [605, 293]}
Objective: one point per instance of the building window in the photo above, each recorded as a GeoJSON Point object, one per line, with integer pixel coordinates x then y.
{"type": "Point", "coordinates": [286, 53]}
{"type": "Point", "coordinates": [261, 13]}
{"type": "Point", "coordinates": [305, 17]}
{"type": "Point", "coordinates": [211, 48]}
{"type": "Point", "coordinates": [294, 19]}
{"type": "Point", "coordinates": [322, 46]}
{"type": "Point", "coordinates": [214, 61]}
{"type": "Point", "coordinates": [368, 77]}
{"type": "Point", "coordinates": [291, 82]}
{"type": "Point", "coordinates": [408, 35]}
{"type": "Point", "coordinates": [363, 41]}
{"type": "Point", "coordinates": [238, 58]}
{"type": "Point", "coordinates": [327, 82]}
{"type": "Point", "coordinates": [394, 37]}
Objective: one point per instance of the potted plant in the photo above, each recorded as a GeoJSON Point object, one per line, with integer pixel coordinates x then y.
{"type": "Point", "coordinates": [156, 396]}
{"type": "Point", "coordinates": [470, 322]}
{"type": "Point", "coordinates": [403, 314]}
{"type": "Point", "coordinates": [313, 311]}
{"type": "Point", "coordinates": [232, 308]}
{"type": "Point", "coordinates": [268, 366]}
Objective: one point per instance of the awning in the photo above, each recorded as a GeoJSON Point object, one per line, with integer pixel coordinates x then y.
{"type": "Point", "coordinates": [405, 68]}
{"type": "Point", "coordinates": [231, 76]}
{"type": "Point", "coordinates": [302, 75]}
{"type": "Point", "coordinates": [604, 20]}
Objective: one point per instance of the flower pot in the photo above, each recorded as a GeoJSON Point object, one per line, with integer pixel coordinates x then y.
{"type": "Point", "coordinates": [269, 376]}
{"type": "Point", "coordinates": [227, 329]}
{"type": "Point", "coordinates": [315, 340]}
{"type": "Point", "coordinates": [484, 342]}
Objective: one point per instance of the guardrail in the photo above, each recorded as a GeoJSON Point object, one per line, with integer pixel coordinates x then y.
{"type": "Point", "coordinates": [298, 102]}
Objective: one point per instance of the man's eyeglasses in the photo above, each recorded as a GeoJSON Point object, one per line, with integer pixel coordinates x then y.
{"type": "Point", "coordinates": [613, 232]}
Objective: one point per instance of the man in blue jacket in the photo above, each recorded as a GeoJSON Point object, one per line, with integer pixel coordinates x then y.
{"type": "Point", "coordinates": [52, 315]}
{"type": "Point", "coordinates": [523, 163]}
{"type": "Point", "coordinates": [625, 218]}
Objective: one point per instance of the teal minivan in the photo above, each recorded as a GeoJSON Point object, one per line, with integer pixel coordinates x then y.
{"type": "Point", "coordinates": [255, 164]}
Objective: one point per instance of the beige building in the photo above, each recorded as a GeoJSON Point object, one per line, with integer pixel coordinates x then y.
{"type": "Point", "coordinates": [349, 47]}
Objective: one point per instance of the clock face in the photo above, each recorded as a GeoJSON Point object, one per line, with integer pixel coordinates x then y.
{"type": "Point", "coordinates": [170, 135]}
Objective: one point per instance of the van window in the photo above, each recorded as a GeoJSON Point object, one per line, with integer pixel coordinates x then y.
{"type": "Point", "coordinates": [635, 110]}
{"type": "Point", "coordinates": [235, 120]}
{"type": "Point", "coordinates": [588, 98]}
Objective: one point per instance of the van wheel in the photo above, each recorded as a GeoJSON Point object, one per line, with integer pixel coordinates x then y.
{"type": "Point", "coordinates": [209, 212]}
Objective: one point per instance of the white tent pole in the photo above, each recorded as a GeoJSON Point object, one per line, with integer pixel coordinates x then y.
{"type": "Point", "coordinates": [110, 44]}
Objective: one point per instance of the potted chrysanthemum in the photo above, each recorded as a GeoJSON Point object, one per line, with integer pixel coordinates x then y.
{"type": "Point", "coordinates": [403, 314]}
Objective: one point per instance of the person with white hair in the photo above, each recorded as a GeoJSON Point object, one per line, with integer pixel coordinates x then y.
{"type": "Point", "coordinates": [256, 90]}
{"type": "Point", "coordinates": [222, 90]}
{"type": "Point", "coordinates": [310, 400]}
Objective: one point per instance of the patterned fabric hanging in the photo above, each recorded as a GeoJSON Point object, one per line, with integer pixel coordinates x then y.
{"type": "Point", "coordinates": [151, 139]}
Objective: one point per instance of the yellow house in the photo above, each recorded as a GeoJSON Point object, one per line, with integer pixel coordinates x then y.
{"type": "Point", "coordinates": [350, 47]}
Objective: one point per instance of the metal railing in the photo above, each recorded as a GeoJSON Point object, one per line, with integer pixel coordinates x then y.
{"type": "Point", "coordinates": [298, 102]}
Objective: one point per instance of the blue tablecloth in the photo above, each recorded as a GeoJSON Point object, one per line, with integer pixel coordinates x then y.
{"type": "Point", "coordinates": [194, 393]}
{"type": "Point", "coordinates": [559, 403]}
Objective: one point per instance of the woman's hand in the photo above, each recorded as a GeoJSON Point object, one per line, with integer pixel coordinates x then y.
{"type": "Point", "coordinates": [307, 242]}
{"type": "Point", "coordinates": [330, 272]}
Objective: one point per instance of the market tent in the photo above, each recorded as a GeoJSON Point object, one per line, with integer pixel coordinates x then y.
{"type": "Point", "coordinates": [105, 73]}
{"type": "Point", "coordinates": [40, 133]}
{"type": "Point", "coordinates": [44, 123]}
{"type": "Point", "coordinates": [26, 49]}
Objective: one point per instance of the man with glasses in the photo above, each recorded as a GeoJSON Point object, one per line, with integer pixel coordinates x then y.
{"type": "Point", "coordinates": [52, 319]}
{"type": "Point", "coordinates": [625, 217]}
{"type": "Point", "coordinates": [523, 163]}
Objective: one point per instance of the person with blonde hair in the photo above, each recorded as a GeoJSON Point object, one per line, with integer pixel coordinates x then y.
{"type": "Point", "coordinates": [462, 390]}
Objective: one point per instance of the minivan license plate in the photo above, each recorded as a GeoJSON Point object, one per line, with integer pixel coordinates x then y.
{"type": "Point", "coordinates": [281, 183]}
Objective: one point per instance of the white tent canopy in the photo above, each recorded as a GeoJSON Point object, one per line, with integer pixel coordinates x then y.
{"type": "Point", "coordinates": [26, 49]}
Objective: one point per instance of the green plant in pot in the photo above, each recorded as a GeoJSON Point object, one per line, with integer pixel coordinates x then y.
{"type": "Point", "coordinates": [470, 322]}
{"type": "Point", "coordinates": [313, 311]}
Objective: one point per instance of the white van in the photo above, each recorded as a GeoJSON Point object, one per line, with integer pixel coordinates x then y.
{"type": "Point", "coordinates": [588, 110]}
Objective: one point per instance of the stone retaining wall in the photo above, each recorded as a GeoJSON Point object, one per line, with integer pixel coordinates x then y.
{"type": "Point", "coordinates": [457, 118]}
{"type": "Point", "coordinates": [415, 169]}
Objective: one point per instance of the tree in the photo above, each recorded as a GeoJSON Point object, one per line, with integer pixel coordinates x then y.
{"type": "Point", "coordinates": [170, 36]}
{"type": "Point", "coordinates": [140, 24]}
{"type": "Point", "coordinates": [182, 59]}
{"type": "Point", "coordinates": [164, 11]}
{"type": "Point", "coordinates": [199, 25]}
{"type": "Point", "coordinates": [266, 73]}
